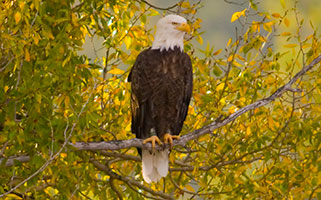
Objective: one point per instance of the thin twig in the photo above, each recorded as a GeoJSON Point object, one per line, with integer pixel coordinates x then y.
{"type": "Point", "coordinates": [112, 185]}
{"type": "Point", "coordinates": [159, 8]}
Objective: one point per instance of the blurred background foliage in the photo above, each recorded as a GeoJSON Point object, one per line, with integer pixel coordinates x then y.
{"type": "Point", "coordinates": [216, 17]}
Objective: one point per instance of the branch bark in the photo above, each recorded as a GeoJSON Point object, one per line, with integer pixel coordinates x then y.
{"type": "Point", "coordinates": [122, 144]}
{"type": "Point", "coordinates": [10, 161]}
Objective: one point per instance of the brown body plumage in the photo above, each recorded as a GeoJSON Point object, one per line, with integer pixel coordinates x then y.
{"type": "Point", "coordinates": [161, 91]}
{"type": "Point", "coordinates": [162, 83]}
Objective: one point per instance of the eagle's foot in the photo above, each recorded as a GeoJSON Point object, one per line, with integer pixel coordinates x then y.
{"type": "Point", "coordinates": [153, 140]}
{"type": "Point", "coordinates": [168, 138]}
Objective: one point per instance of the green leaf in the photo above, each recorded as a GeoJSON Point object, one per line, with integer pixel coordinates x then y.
{"type": "Point", "coordinates": [217, 71]}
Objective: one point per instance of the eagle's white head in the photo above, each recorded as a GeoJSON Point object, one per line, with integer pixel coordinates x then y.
{"type": "Point", "coordinates": [170, 32]}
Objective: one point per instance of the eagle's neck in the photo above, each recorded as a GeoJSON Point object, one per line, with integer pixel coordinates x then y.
{"type": "Point", "coordinates": [165, 41]}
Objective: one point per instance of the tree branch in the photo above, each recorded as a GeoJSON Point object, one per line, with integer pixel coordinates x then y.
{"type": "Point", "coordinates": [10, 161]}
{"type": "Point", "coordinates": [122, 144]}
{"type": "Point", "coordinates": [159, 8]}
{"type": "Point", "coordinates": [127, 180]}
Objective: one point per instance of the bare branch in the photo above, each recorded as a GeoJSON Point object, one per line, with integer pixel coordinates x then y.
{"type": "Point", "coordinates": [112, 185]}
{"type": "Point", "coordinates": [159, 8]}
{"type": "Point", "coordinates": [120, 155]}
{"type": "Point", "coordinates": [11, 160]}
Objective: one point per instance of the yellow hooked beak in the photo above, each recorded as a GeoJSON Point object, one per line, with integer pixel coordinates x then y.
{"type": "Point", "coordinates": [184, 27]}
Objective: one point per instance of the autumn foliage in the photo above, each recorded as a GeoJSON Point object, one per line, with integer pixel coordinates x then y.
{"type": "Point", "coordinates": [52, 95]}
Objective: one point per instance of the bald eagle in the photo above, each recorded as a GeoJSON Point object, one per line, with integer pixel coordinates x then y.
{"type": "Point", "coordinates": [162, 83]}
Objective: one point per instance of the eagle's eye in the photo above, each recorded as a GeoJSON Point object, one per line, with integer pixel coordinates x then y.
{"type": "Point", "coordinates": [175, 23]}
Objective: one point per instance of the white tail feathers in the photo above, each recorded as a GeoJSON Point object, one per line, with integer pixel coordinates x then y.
{"type": "Point", "coordinates": [155, 166]}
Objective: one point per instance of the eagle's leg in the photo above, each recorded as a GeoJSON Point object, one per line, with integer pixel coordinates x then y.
{"type": "Point", "coordinates": [168, 138]}
{"type": "Point", "coordinates": [153, 140]}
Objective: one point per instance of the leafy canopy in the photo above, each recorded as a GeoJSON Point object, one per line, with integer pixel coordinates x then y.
{"type": "Point", "coordinates": [51, 95]}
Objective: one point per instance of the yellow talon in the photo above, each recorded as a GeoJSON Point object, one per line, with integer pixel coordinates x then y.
{"type": "Point", "coordinates": [168, 138]}
{"type": "Point", "coordinates": [153, 140]}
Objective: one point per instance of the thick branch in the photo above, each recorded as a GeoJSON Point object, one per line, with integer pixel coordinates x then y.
{"type": "Point", "coordinates": [11, 160]}
{"type": "Point", "coordinates": [122, 144]}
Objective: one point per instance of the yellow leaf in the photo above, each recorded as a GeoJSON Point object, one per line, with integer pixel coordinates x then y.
{"type": "Point", "coordinates": [202, 67]}
{"type": "Point", "coordinates": [128, 42]}
{"type": "Point", "coordinates": [309, 37]}
{"type": "Point", "coordinates": [290, 45]}
{"type": "Point", "coordinates": [252, 63]}
{"type": "Point", "coordinates": [229, 42]}
{"type": "Point", "coordinates": [239, 57]}
{"type": "Point", "coordinates": [257, 185]}
{"type": "Point", "coordinates": [267, 26]}
{"type": "Point", "coordinates": [286, 22]}
{"type": "Point", "coordinates": [185, 5]}
{"type": "Point", "coordinates": [27, 55]}
{"type": "Point", "coordinates": [172, 158]}
{"type": "Point", "coordinates": [276, 15]}
{"type": "Point", "coordinates": [67, 100]}
{"type": "Point", "coordinates": [242, 99]}
{"type": "Point", "coordinates": [269, 80]}
{"type": "Point", "coordinates": [74, 19]}
{"type": "Point", "coordinates": [199, 39]}
{"type": "Point", "coordinates": [59, 100]}
{"type": "Point", "coordinates": [61, 50]}
{"type": "Point", "coordinates": [248, 131]}
{"type": "Point", "coordinates": [189, 188]}
{"type": "Point", "coordinates": [189, 11]}
{"type": "Point", "coordinates": [6, 88]}
{"type": "Point", "coordinates": [197, 23]}
{"type": "Point", "coordinates": [256, 26]}
{"type": "Point", "coordinates": [285, 34]}
{"type": "Point", "coordinates": [237, 64]}
{"type": "Point", "coordinates": [63, 155]}
{"type": "Point", "coordinates": [237, 15]}
{"type": "Point", "coordinates": [116, 9]}
{"type": "Point", "coordinates": [116, 71]}
{"type": "Point", "coordinates": [38, 98]}
{"type": "Point", "coordinates": [48, 34]}
{"type": "Point", "coordinates": [36, 38]}
{"type": "Point", "coordinates": [220, 87]}
{"type": "Point", "coordinates": [230, 58]}
{"type": "Point", "coordinates": [205, 138]}
{"type": "Point", "coordinates": [232, 109]}
{"type": "Point", "coordinates": [282, 3]}
{"type": "Point", "coordinates": [217, 52]}
{"type": "Point", "coordinates": [116, 102]}
{"type": "Point", "coordinates": [271, 122]}
{"type": "Point", "coordinates": [17, 17]}
{"type": "Point", "coordinates": [21, 5]}
{"type": "Point", "coordinates": [73, 140]}
{"type": "Point", "coordinates": [203, 90]}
